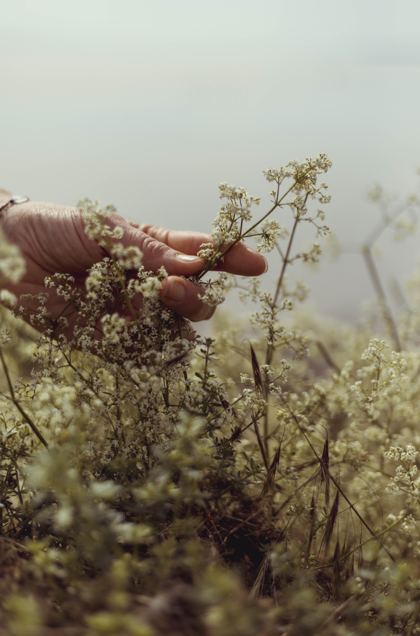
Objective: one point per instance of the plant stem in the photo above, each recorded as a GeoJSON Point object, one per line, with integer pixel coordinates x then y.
{"type": "Point", "coordinates": [128, 299]}
{"type": "Point", "coordinates": [17, 404]}
{"type": "Point", "coordinates": [370, 263]}
{"type": "Point", "coordinates": [332, 478]}
{"type": "Point", "coordinates": [211, 264]}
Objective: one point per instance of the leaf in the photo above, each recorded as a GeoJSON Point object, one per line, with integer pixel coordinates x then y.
{"type": "Point", "coordinates": [325, 470]}
{"type": "Point", "coordinates": [329, 527]}
{"type": "Point", "coordinates": [227, 406]}
{"type": "Point", "coordinates": [259, 580]}
{"type": "Point", "coordinates": [311, 533]}
{"type": "Point", "coordinates": [271, 474]}
{"type": "Point", "coordinates": [337, 570]}
{"type": "Point", "coordinates": [261, 445]}
{"type": "Point", "coordinates": [257, 373]}
{"type": "Point", "coordinates": [235, 434]}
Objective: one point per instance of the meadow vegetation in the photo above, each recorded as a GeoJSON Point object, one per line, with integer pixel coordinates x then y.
{"type": "Point", "coordinates": [260, 482]}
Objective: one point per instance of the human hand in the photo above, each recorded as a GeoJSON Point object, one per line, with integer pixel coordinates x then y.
{"type": "Point", "coordinates": [52, 240]}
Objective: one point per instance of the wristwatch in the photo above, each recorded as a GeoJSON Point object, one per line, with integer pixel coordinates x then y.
{"type": "Point", "coordinates": [14, 200]}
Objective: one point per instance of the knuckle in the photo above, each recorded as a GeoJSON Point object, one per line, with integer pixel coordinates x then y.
{"type": "Point", "coordinates": [144, 227]}
{"type": "Point", "coordinates": [152, 248]}
{"type": "Point", "coordinates": [156, 232]}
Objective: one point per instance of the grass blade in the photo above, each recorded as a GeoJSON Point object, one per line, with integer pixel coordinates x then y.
{"type": "Point", "coordinates": [257, 373]}
{"type": "Point", "coordinates": [311, 533]}
{"type": "Point", "coordinates": [271, 474]}
{"type": "Point", "coordinates": [332, 517]}
{"type": "Point", "coordinates": [325, 470]}
{"type": "Point", "coordinates": [261, 445]}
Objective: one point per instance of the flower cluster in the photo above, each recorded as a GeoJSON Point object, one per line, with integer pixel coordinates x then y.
{"type": "Point", "coordinates": [405, 473]}
{"type": "Point", "coordinates": [269, 230]}
{"type": "Point", "coordinates": [153, 481]}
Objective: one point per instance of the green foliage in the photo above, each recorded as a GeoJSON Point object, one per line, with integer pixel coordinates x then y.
{"type": "Point", "coordinates": [153, 483]}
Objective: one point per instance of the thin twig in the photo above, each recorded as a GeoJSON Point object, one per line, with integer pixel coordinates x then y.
{"type": "Point", "coordinates": [373, 272]}
{"type": "Point", "coordinates": [325, 354]}
{"type": "Point", "coordinates": [332, 478]}
{"type": "Point", "coordinates": [17, 404]}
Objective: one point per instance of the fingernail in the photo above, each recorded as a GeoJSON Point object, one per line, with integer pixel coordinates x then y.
{"type": "Point", "coordinates": [266, 265]}
{"type": "Point", "coordinates": [188, 259]}
{"type": "Point", "coordinates": [176, 291]}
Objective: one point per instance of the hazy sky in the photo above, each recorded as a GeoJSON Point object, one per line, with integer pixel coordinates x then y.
{"type": "Point", "coordinates": [150, 105]}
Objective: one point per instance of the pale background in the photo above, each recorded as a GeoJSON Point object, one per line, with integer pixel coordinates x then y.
{"type": "Point", "coordinates": [151, 104]}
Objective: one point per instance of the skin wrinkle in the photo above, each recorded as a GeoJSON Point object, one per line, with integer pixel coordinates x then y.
{"type": "Point", "coordinates": [53, 239]}
{"type": "Point", "coordinates": [189, 242]}
{"type": "Point", "coordinates": [89, 245]}
{"type": "Point", "coordinates": [11, 227]}
{"type": "Point", "coordinates": [235, 262]}
{"type": "Point", "coordinates": [155, 249]}
{"type": "Point", "coordinates": [156, 253]}
{"type": "Point", "coordinates": [77, 228]}
{"type": "Point", "coordinates": [46, 242]}
{"type": "Point", "coordinates": [161, 234]}
{"type": "Point", "coordinates": [170, 236]}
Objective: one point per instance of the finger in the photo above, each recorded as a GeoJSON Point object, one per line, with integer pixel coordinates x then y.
{"type": "Point", "coordinates": [155, 253]}
{"type": "Point", "coordinates": [241, 259]}
{"type": "Point", "coordinates": [244, 261]}
{"type": "Point", "coordinates": [182, 296]}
